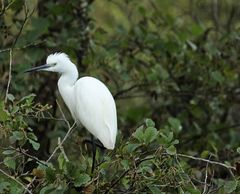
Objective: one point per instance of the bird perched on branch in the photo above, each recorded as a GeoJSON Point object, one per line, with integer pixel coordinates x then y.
{"type": "Point", "coordinates": [88, 99]}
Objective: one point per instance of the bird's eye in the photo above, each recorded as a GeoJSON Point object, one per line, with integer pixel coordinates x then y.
{"type": "Point", "coordinates": [53, 64]}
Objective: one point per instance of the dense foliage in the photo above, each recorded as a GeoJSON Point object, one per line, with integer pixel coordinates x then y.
{"type": "Point", "coordinates": [173, 69]}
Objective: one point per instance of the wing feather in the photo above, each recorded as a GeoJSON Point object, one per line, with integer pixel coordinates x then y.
{"type": "Point", "coordinates": [96, 110]}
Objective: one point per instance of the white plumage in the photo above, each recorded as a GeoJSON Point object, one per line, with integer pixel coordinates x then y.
{"type": "Point", "coordinates": [88, 99]}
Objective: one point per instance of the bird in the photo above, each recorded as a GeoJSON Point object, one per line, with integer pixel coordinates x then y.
{"type": "Point", "coordinates": [89, 101]}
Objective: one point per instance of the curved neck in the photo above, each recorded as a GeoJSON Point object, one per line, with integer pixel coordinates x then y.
{"type": "Point", "coordinates": [69, 77]}
{"type": "Point", "coordinates": [66, 85]}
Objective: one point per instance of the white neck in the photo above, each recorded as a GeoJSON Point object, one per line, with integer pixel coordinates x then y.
{"type": "Point", "coordinates": [69, 77]}
{"type": "Point", "coordinates": [66, 85]}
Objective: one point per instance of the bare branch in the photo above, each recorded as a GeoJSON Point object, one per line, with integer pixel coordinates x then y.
{"type": "Point", "coordinates": [208, 161]}
{"type": "Point", "coordinates": [63, 115]}
{"type": "Point", "coordinates": [14, 43]}
{"type": "Point", "coordinates": [121, 92]}
{"type": "Point", "coordinates": [23, 47]}
{"type": "Point", "coordinates": [21, 151]}
{"type": "Point", "coordinates": [62, 149]}
{"type": "Point", "coordinates": [9, 74]}
{"type": "Point", "coordinates": [54, 152]}
{"type": "Point", "coordinates": [215, 13]}
{"type": "Point", "coordinates": [205, 180]}
{"type": "Point", "coordinates": [189, 179]}
{"type": "Point", "coordinates": [27, 15]}
{"type": "Point", "coordinates": [17, 181]}
{"type": "Point", "coordinates": [61, 143]}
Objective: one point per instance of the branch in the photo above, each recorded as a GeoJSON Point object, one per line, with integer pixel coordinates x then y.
{"type": "Point", "coordinates": [121, 92]}
{"type": "Point", "coordinates": [21, 151]}
{"type": "Point", "coordinates": [231, 17]}
{"type": "Point", "coordinates": [215, 13]}
{"type": "Point", "coordinates": [17, 181]}
{"type": "Point", "coordinates": [9, 74]}
{"type": "Point", "coordinates": [14, 43]}
{"type": "Point", "coordinates": [62, 150]}
{"type": "Point", "coordinates": [208, 161]}
{"type": "Point", "coordinates": [63, 115]}
{"type": "Point", "coordinates": [216, 130]}
{"type": "Point", "coordinates": [205, 180]}
{"type": "Point", "coordinates": [61, 143]}
{"type": "Point", "coordinates": [189, 179]}
{"type": "Point", "coordinates": [54, 152]}
{"type": "Point", "coordinates": [24, 22]}
{"type": "Point", "coordinates": [23, 47]}
{"type": "Point", "coordinates": [138, 161]}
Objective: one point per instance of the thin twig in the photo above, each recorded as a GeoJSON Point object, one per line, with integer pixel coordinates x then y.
{"type": "Point", "coordinates": [23, 47]}
{"type": "Point", "coordinates": [63, 115]}
{"type": "Point", "coordinates": [189, 179]}
{"type": "Point", "coordinates": [61, 143]}
{"type": "Point", "coordinates": [208, 161]}
{"type": "Point", "coordinates": [62, 150]}
{"type": "Point", "coordinates": [17, 181]}
{"type": "Point", "coordinates": [215, 13]}
{"type": "Point", "coordinates": [12, 47]}
{"type": "Point", "coordinates": [138, 161]}
{"type": "Point", "coordinates": [21, 151]}
{"type": "Point", "coordinates": [121, 92]}
{"type": "Point", "coordinates": [206, 177]}
{"type": "Point", "coordinates": [53, 153]}
{"type": "Point", "coordinates": [23, 24]}
{"type": "Point", "coordinates": [9, 74]}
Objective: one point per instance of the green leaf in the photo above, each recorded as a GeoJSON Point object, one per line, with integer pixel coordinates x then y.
{"type": "Point", "coordinates": [162, 72]}
{"type": "Point", "coordinates": [50, 174]}
{"type": "Point", "coordinates": [138, 134]}
{"type": "Point", "coordinates": [150, 134]}
{"type": "Point", "coordinates": [166, 139]}
{"type": "Point", "coordinates": [175, 124]}
{"type": "Point", "coordinates": [154, 189]}
{"type": "Point", "coordinates": [191, 189]}
{"type": "Point", "coordinates": [149, 123]}
{"type": "Point", "coordinates": [8, 152]}
{"type": "Point", "coordinates": [238, 150]}
{"type": "Point", "coordinates": [32, 136]}
{"type": "Point", "coordinates": [18, 135]}
{"type": "Point", "coordinates": [125, 164]}
{"type": "Point", "coordinates": [61, 161]}
{"type": "Point", "coordinates": [192, 45]}
{"type": "Point", "coordinates": [217, 76]}
{"type": "Point", "coordinates": [47, 189]}
{"type": "Point", "coordinates": [15, 109]}
{"type": "Point", "coordinates": [35, 144]}
{"type": "Point", "coordinates": [205, 154]}
{"type": "Point", "coordinates": [10, 97]}
{"type": "Point", "coordinates": [70, 169]}
{"type": "Point", "coordinates": [29, 98]}
{"type": "Point", "coordinates": [82, 179]}
{"type": "Point", "coordinates": [4, 187]}
{"type": "Point", "coordinates": [10, 162]}
{"type": "Point", "coordinates": [230, 186]}
{"type": "Point", "coordinates": [131, 147]}
{"type": "Point", "coordinates": [171, 150]}
{"type": "Point", "coordinates": [3, 113]}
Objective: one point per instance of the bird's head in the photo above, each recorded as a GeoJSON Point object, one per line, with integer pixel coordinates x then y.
{"type": "Point", "coordinates": [57, 62]}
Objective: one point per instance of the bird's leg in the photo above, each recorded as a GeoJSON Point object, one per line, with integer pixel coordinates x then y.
{"type": "Point", "coordinates": [93, 152]}
{"type": "Point", "coordinates": [97, 144]}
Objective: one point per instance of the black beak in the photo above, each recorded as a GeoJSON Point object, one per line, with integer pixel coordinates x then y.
{"type": "Point", "coordinates": [38, 68]}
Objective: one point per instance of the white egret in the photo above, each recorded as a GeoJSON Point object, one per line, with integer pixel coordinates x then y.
{"type": "Point", "coordinates": [90, 102]}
